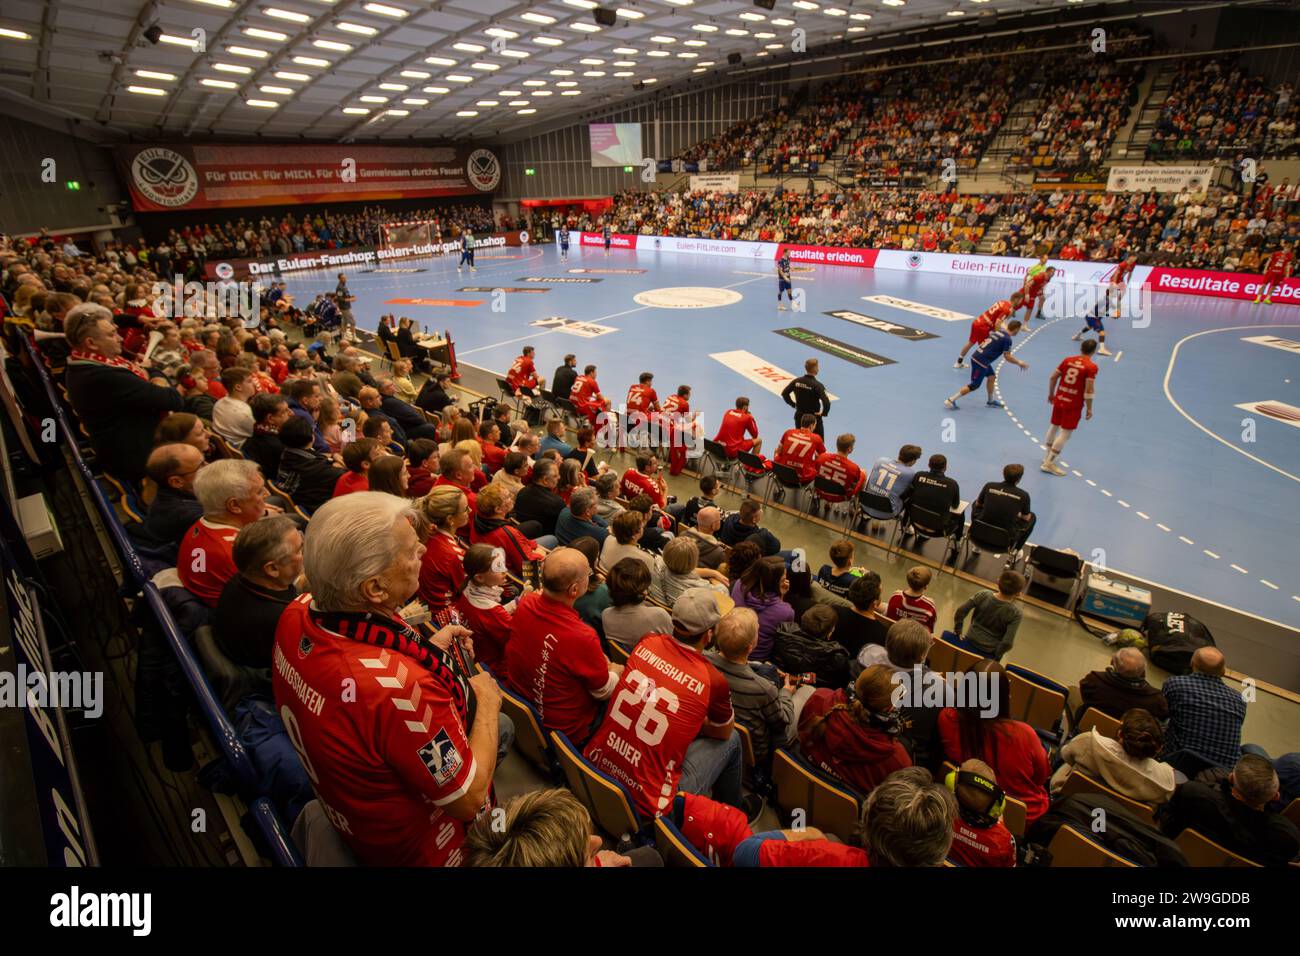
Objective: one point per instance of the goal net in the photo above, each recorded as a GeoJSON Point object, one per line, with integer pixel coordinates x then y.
{"type": "Point", "coordinates": [413, 233]}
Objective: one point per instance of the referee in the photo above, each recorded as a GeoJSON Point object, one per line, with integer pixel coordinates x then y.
{"type": "Point", "coordinates": [807, 396]}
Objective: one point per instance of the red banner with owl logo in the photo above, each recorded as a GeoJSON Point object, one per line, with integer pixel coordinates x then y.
{"type": "Point", "coordinates": [170, 178]}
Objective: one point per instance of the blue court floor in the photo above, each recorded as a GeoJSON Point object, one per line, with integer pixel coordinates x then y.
{"type": "Point", "coordinates": [1170, 481]}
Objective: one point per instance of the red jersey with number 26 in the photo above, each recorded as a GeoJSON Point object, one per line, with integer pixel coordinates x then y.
{"type": "Point", "coordinates": [667, 693]}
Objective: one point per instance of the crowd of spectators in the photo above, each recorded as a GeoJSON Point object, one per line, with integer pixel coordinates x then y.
{"type": "Point", "coordinates": [1215, 108]}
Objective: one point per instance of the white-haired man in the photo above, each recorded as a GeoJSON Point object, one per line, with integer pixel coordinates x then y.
{"type": "Point", "coordinates": [233, 494]}
{"type": "Point", "coordinates": [401, 748]}
{"type": "Point", "coordinates": [113, 397]}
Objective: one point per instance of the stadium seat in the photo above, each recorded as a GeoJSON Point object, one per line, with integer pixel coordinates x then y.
{"type": "Point", "coordinates": [828, 804]}
{"type": "Point", "coordinates": [1069, 847]}
{"type": "Point", "coordinates": [604, 797]}
{"type": "Point", "coordinates": [1200, 850]}
{"type": "Point", "coordinates": [531, 739]}
{"type": "Point", "coordinates": [675, 848]}
{"type": "Point", "coordinates": [1104, 724]}
{"type": "Point", "coordinates": [1037, 700]}
{"type": "Point", "coordinates": [280, 492]}
{"type": "Point", "coordinates": [617, 652]}
{"type": "Point", "coordinates": [224, 448]}
{"type": "Point", "coordinates": [746, 744]}
{"type": "Point", "coordinates": [232, 682]}
{"type": "Point", "coordinates": [949, 656]}
{"type": "Point", "coordinates": [1080, 782]}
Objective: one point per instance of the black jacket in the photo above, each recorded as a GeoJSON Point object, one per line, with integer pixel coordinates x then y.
{"type": "Point", "coordinates": [266, 451]}
{"type": "Point", "coordinates": [407, 417]}
{"type": "Point", "coordinates": [535, 503]}
{"type": "Point", "coordinates": [807, 396]}
{"type": "Point", "coordinates": [308, 477]}
{"type": "Point", "coordinates": [562, 383]}
{"type": "Point", "coordinates": [432, 398]}
{"type": "Point", "coordinates": [1264, 836]}
{"type": "Point", "coordinates": [170, 516]}
{"type": "Point", "coordinates": [797, 652]}
{"type": "Point", "coordinates": [121, 412]}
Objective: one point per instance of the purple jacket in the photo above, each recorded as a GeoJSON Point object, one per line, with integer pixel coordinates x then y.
{"type": "Point", "coordinates": [772, 612]}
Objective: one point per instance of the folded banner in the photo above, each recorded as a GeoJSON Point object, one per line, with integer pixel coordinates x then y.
{"type": "Point", "coordinates": [180, 177]}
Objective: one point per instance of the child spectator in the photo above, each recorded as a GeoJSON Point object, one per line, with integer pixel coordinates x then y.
{"type": "Point", "coordinates": [997, 616]}
{"type": "Point", "coordinates": [479, 603]}
{"type": "Point", "coordinates": [807, 648]}
{"type": "Point", "coordinates": [912, 601]}
{"type": "Point", "coordinates": [839, 576]}
{"type": "Point", "coordinates": [979, 837]}
{"type": "Point", "coordinates": [357, 459]}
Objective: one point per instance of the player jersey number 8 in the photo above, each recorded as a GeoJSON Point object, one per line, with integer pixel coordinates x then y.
{"type": "Point", "coordinates": [651, 725]}
{"type": "Point", "coordinates": [1071, 375]}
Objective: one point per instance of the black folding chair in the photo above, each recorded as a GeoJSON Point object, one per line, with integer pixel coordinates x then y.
{"type": "Point", "coordinates": [929, 523]}
{"type": "Point", "coordinates": [788, 479]}
{"type": "Point", "coordinates": [870, 501]}
{"type": "Point", "coordinates": [715, 456]}
{"type": "Point", "coordinates": [834, 495]}
{"type": "Point", "coordinates": [753, 471]}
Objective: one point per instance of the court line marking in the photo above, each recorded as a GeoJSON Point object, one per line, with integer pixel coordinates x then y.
{"type": "Point", "coordinates": [1169, 371]}
{"type": "Point", "coordinates": [997, 388]}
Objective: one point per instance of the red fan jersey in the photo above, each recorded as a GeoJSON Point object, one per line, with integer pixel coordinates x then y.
{"type": "Point", "coordinates": [799, 449]}
{"type": "Point", "coordinates": [490, 623]}
{"type": "Point", "coordinates": [987, 846]}
{"type": "Point", "coordinates": [820, 853]}
{"type": "Point", "coordinates": [554, 661]}
{"type": "Point", "coordinates": [901, 605]}
{"type": "Point", "coordinates": [205, 562]}
{"type": "Point", "coordinates": [385, 759]}
{"type": "Point", "coordinates": [634, 483]}
{"type": "Point", "coordinates": [667, 694]}
{"type": "Point", "coordinates": [442, 570]}
{"type": "Point", "coordinates": [736, 425]}
{"type": "Point", "coordinates": [1279, 263]}
{"type": "Point", "coordinates": [522, 373]}
{"type": "Point", "coordinates": [840, 468]}
{"type": "Point", "coordinates": [642, 398]}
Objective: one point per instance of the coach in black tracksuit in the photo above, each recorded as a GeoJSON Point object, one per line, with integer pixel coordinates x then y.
{"type": "Point", "coordinates": [807, 396]}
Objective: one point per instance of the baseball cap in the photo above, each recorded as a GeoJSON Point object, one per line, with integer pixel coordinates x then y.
{"type": "Point", "coordinates": [695, 611]}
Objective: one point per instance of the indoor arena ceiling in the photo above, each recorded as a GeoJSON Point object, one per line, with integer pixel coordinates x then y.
{"type": "Point", "coordinates": [394, 69]}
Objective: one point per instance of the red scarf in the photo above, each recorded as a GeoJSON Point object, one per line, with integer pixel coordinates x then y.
{"type": "Point", "coordinates": [81, 355]}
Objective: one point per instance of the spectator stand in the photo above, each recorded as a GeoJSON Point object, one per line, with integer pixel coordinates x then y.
{"type": "Point", "coordinates": [221, 734]}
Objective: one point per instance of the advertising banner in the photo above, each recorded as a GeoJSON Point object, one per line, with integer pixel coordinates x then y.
{"type": "Point", "coordinates": [1221, 285]}
{"type": "Point", "coordinates": [830, 255]}
{"type": "Point", "coordinates": [716, 183]}
{"type": "Point", "coordinates": [358, 255]}
{"type": "Point", "coordinates": [180, 177]}
{"type": "Point", "coordinates": [616, 240]}
{"type": "Point", "coordinates": [733, 248]}
{"type": "Point", "coordinates": [1161, 179]}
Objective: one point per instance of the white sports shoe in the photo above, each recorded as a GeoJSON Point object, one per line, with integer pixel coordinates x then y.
{"type": "Point", "coordinates": [1103, 351]}
{"type": "Point", "coordinates": [1052, 468]}
{"type": "Point", "coordinates": [1077, 337]}
{"type": "Point", "coordinates": [781, 306]}
{"type": "Point", "coordinates": [959, 364]}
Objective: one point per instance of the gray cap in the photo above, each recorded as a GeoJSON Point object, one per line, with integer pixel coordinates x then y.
{"type": "Point", "coordinates": [696, 611]}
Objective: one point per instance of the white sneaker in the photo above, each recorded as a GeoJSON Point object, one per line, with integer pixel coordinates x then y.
{"type": "Point", "coordinates": [1103, 351]}
{"type": "Point", "coordinates": [1077, 337]}
{"type": "Point", "coordinates": [473, 268]}
{"type": "Point", "coordinates": [781, 306]}
{"type": "Point", "coordinates": [959, 364]}
{"type": "Point", "coordinates": [1053, 469]}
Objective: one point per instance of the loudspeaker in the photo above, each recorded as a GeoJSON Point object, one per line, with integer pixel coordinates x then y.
{"type": "Point", "coordinates": [153, 33]}
{"type": "Point", "coordinates": [765, 4]}
{"type": "Point", "coordinates": [733, 58]}
{"type": "Point", "coordinates": [606, 18]}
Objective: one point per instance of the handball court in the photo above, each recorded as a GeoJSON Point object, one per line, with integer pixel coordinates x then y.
{"type": "Point", "coordinates": [1180, 478]}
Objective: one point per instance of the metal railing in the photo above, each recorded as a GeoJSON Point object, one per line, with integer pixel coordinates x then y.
{"type": "Point", "coordinates": [214, 715]}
